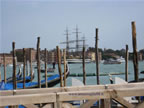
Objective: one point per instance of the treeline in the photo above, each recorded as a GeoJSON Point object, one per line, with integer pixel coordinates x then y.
{"type": "Point", "coordinates": [110, 53]}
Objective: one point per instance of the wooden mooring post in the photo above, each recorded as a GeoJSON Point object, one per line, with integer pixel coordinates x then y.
{"type": "Point", "coordinates": [24, 66]}
{"type": "Point", "coordinates": [30, 59]}
{"type": "Point", "coordinates": [135, 53]}
{"type": "Point", "coordinates": [38, 62]}
{"type": "Point", "coordinates": [64, 60]}
{"type": "Point", "coordinates": [14, 66]}
{"type": "Point", "coordinates": [4, 64]}
{"type": "Point", "coordinates": [103, 103]}
{"type": "Point", "coordinates": [126, 64]}
{"type": "Point", "coordinates": [97, 60]}
{"type": "Point", "coordinates": [59, 66]}
{"type": "Point", "coordinates": [0, 73]}
{"type": "Point", "coordinates": [84, 72]}
{"type": "Point", "coordinates": [97, 57]}
{"type": "Point", "coordinates": [46, 68]}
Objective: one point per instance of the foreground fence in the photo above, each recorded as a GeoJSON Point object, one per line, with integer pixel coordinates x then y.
{"type": "Point", "coordinates": [59, 97]}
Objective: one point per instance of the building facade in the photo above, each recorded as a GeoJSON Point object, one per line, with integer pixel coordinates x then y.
{"type": "Point", "coordinates": [8, 58]}
{"type": "Point", "coordinates": [91, 55]}
{"type": "Point", "coordinates": [19, 54]}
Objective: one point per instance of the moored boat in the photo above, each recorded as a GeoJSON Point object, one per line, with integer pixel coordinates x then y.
{"type": "Point", "coordinates": [77, 61]}
{"type": "Point", "coordinates": [111, 61]}
{"type": "Point", "coordinates": [51, 81]}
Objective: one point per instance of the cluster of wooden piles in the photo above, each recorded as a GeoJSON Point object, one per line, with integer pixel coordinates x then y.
{"type": "Point", "coordinates": [48, 82]}
{"type": "Point", "coordinates": [56, 97]}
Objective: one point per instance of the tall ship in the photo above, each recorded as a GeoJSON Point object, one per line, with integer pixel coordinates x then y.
{"type": "Point", "coordinates": [74, 54]}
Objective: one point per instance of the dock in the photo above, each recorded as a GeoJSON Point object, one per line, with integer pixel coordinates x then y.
{"type": "Point", "coordinates": [59, 97]}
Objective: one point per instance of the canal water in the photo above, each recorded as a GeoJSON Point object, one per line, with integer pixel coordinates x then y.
{"type": "Point", "coordinates": [90, 68]}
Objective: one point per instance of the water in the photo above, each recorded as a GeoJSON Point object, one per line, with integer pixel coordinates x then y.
{"type": "Point", "coordinates": [109, 68]}
{"type": "Point", "coordinates": [90, 68]}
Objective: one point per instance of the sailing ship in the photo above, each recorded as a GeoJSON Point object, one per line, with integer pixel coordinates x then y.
{"type": "Point", "coordinates": [76, 55]}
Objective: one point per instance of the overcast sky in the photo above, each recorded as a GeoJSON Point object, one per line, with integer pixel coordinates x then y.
{"type": "Point", "coordinates": [23, 21]}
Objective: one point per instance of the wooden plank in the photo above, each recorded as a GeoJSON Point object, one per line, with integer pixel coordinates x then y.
{"type": "Point", "coordinates": [82, 95]}
{"type": "Point", "coordinates": [106, 103]}
{"type": "Point", "coordinates": [59, 97]}
{"type": "Point", "coordinates": [55, 105]}
{"type": "Point", "coordinates": [130, 92]}
{"type": "Point", "coordinates": [88, 104]}
{"type": "Point", "coordinates": [74, 88]}
{"type": "Point", "coordinates": [6, 93]}
{"type": "Point", "coordinates": [27, 99]}
{"type": "Point", "coordinates": [123, 102]}
{"type": "Point", "coordinates": [128, 85]}
{"type": "Point", "coordinates": [58, 102]}
{"type": "Point", "coordinates": [99, 94]}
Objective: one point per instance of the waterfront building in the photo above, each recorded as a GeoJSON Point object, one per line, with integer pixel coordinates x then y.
{"type": "Point", "coordinates": [19, 54]}
{"type": "Point", "coordinates": [52, 56]}
{"type": "Point", "coordinates": [91, 55]}
{"type": "Point", "coordinates": [8, 58]}
{"type": "Point", "coordinates": [140, 56]}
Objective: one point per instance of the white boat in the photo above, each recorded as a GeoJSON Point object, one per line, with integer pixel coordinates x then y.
{"type": "Point", "coordinates": [121, 59]}
{"type": "Point", "coordinates": [111, 61]}
{"type": "Point", "coordinates": [10, 65]}
{"type": "Point", "coordinates": [77, 61]}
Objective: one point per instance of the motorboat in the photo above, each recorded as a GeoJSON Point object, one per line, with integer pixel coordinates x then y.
{"type": "Point", "coordinates": [111, 61]}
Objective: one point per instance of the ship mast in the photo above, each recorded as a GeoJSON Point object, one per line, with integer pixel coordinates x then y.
{"type": "Point", "coordinates": [67, 39]}
{"type": "Point", "coordinates": [77, 39]}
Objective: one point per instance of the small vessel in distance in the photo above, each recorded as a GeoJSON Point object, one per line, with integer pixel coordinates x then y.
{"type": "Point", "coordinates": [112, 61]}
{"type": "Point", "coordinates": [77, 61]}
{"type": "Point", "coordinates": [121, 59]}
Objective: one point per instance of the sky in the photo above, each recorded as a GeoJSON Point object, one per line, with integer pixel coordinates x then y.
{"type": "Point", "coordinates": [23, 21]}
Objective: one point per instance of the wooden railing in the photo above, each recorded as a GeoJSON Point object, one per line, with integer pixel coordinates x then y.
{"type": "Point", "coordinates": [57, 97]}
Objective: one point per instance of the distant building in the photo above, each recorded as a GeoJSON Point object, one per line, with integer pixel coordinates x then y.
{"type": "Point", "coordinates": [91, 55]}
{"type": "Point", "coordinates": [8, 58]}
{"type": "Point", "coordinates": [52, 57]}
{"type": "Point", "coordinates": [19, 54]}
{"type": "Point", "coordinates": [140, 56]}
